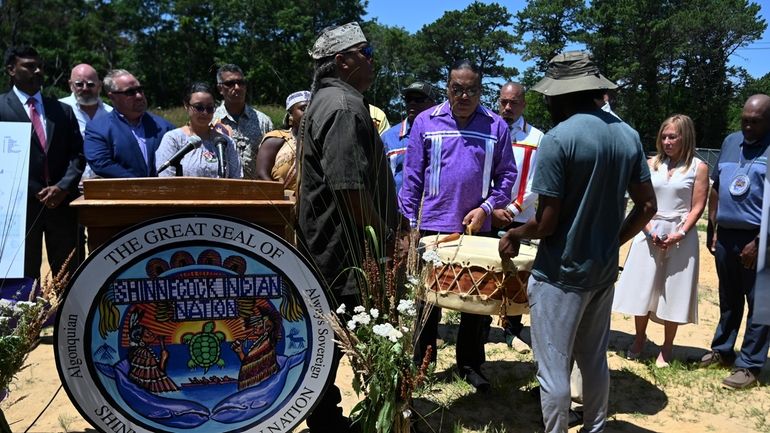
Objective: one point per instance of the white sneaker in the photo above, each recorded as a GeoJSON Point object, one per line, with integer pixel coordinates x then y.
{"type": "Point", "coordinates": [520, 346]}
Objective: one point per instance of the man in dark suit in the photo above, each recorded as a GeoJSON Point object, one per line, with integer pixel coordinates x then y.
{"type": "Point", "coordinates": [123, 143]}
{"type": "Point", "coordinates": [55, 162]}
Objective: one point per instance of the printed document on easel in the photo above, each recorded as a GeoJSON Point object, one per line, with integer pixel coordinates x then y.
{"type": "Point", "coordinates": [14, 179]}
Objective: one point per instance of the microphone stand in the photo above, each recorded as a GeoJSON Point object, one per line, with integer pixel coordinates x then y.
{"type": "Point", "coordinates": [221, 144]}
{"type": "Point", "coordinates": [178, 169]}
{"type": "Point", "coordinates": [221, 170]}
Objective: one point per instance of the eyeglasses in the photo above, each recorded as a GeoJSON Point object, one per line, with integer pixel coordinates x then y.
{"type": "Point", "coordinates": [460, 91]}
{"type": "Point", "coordinates": [204, 108]}
{"type": "Point", "coordinates": [367, 51]}
{"type": "Point", "coordinates": [131, 92]}
{"type": "Point", "coordinates": [232, 83]}
{"type": "Point", "coordinates": [81, 84]}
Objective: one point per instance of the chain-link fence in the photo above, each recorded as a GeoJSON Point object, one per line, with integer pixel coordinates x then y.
{"type": "Point", "coordinates": [709, 156]}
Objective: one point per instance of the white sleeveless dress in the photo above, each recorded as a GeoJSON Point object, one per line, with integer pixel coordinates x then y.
{"type": "Point", "coordinates": [664, 283]}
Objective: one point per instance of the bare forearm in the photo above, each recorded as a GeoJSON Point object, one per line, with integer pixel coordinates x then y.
{"type": "Point", "coordinates": [543, 224]}
{"type": "Point", "coordinates": [636, 220]}
{"type": "Point", "coordinates": [645, 207]}
{"type": "Point", "coordinates": [530, 230]}
{"type": "Point", "coordinates": [713, 206]}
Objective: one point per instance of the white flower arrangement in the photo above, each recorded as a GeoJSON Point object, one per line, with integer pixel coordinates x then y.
{"type": "Point", "coordinates": [377, 337]}
{"type": "Point", "coordinates": [341, 309]}
{"type": "Point", "coordinates": [431, 256]}
{"type": "Point", "coordinates": [407, 307]}
{"type": "Point", "coordinates": [388, 331]}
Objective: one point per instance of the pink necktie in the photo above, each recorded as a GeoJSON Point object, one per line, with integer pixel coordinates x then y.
{"type": "Point", "coordinates": [37, 123]}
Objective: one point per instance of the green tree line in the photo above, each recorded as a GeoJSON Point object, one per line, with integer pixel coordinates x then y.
{"type": "Point", "coordinates": [668, 56]}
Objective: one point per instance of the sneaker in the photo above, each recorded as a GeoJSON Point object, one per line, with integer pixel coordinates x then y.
{"type": "Point", "coordinates": [476, 379]}
{"type": "Point", "coordinates": [741, 378]}
{"type": "Point", "coordinates": [715, 358]}
{"type": "Point", "coordinates": [519, 345]}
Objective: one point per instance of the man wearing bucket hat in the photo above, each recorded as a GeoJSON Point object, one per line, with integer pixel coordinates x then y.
{"type": "Point", "coordinates": [585, 164]}
{"type": "Point", "coordinates": [418, 96]}
{"type": "Point", "coordinates": [345, 183]}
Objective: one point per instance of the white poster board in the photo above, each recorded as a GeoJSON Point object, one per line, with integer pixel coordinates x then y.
{"type": "Point", "coordinates": [762, 288]}
{"type": "Point", "coordinates": [14, 177]}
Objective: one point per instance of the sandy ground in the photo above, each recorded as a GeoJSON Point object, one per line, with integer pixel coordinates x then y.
{"type": "Point", "coordinates": [643, 398]}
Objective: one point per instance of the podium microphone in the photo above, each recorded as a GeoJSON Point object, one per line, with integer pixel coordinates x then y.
{"type": "Point", "coordinates": [192, 142]}
{"type": "Point", "coordinates": [221, 143]}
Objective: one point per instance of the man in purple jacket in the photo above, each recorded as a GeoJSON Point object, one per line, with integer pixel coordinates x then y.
{"type": "Point", "coordinates": [459, 163]}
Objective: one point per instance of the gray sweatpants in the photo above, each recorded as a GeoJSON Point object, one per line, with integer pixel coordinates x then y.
{"type": "Point", "coordinates": [566, 323]}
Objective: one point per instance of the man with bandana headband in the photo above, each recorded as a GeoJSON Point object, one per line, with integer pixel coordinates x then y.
{"type": "Point", "coordinates": [345, 183]}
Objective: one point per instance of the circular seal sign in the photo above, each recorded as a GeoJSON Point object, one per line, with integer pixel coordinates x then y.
{"type": "Point", "coordinates": [194, 324]}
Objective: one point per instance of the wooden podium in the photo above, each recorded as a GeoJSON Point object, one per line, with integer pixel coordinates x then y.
{"type": "Point", "coordinates": [109, 206]}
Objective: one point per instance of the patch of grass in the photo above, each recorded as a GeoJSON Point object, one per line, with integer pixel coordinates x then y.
{"type": "Point", "coordinates": [760, 416]}
{"type": "Point", "coordinates": [178, 115]}
{"type": "Point", "coordinates": [66, 420]}
{"type": "Point", "coordinates": [683, 374]}
{"type": "Point", "coordinates": [451, 317]}
{"type": "Point", "coordinates": [274, 112]}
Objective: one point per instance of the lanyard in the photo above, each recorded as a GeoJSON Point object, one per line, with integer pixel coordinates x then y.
{"type": "Point", "coordinates": [741, 182]}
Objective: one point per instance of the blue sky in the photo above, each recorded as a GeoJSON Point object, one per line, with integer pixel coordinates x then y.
{"type": "Point", "coordinates": [414, 14]}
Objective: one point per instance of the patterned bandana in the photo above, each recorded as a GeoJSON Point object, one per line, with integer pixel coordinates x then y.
{"type": "Point", "coordinates": [334, 40]}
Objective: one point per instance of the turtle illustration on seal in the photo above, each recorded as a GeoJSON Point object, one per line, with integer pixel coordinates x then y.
{"type": "Point", "coordinates": [204, 347]}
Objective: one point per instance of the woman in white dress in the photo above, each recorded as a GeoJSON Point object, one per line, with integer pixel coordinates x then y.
{"type": "Point", "coordinates": [660, 277]}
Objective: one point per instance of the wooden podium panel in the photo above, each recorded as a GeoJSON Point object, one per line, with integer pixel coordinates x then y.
{"type": "Point", "coordinates": [109, 206]}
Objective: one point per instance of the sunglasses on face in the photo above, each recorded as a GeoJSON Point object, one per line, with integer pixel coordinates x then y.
{"type": "Point", "coordinates": [81, 84]}
{"type": "Point", "coordinates": [367, 51]}
{"type": "Point", "coordinates": [131, 92]}
{"type": "Point", "coordinates": [232, 83]}
{"type": "Point", "coordinates": [460, 91]}
{"type": "Point", "coordinates": [209, 109]}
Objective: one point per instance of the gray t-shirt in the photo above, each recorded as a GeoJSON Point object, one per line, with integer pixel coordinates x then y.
{"type": "Point", "coordinates": [587, 161]}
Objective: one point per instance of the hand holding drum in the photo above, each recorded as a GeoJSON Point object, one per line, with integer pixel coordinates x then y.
{"type": "Point", "coordinates": [474, 220]}
{"type": "Point", "coordinates": [509, 246]}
